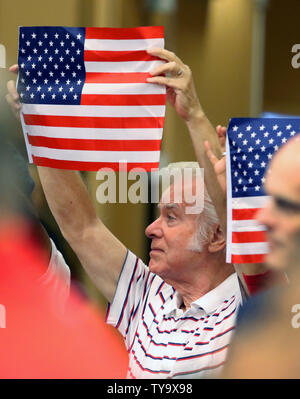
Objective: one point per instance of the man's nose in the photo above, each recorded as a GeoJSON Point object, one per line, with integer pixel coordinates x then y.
{"type": "Point", "coordinates": [154, 229]}
{"type": "Point", "coordinates": [265, 215]}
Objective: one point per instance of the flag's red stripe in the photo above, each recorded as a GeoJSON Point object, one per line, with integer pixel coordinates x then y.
{"type": "Point", "coordinates": [118, 56]}
{"type": "Point", "coordinates": [244, 214]}
{"type": "Point", "coordinates": [249, 236]}
{"type": "Point", "coordinates": [95, 145]}
{"type": "Point", "coordinates": [125, 99]}
{"type": "Point", "coordinates": [114, 77]}
{"type": "Point", "coordinates": [248, 258]}
{"type": "Point", "coordinates": [144, 32]}
{"type": "Point", "coordinates": [91, 166]}
{"type": "Point", "coordinates": [94, 122]}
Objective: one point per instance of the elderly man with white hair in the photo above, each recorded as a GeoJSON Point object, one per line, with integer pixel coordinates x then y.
{"type": "Point", "coordinates": [177, 316]}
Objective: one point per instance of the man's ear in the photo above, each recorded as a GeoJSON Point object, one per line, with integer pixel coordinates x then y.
{"type": "Point", "coordinates": [217, 241]}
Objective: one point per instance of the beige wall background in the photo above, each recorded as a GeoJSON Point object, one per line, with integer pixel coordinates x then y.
{"type": "Point", "coordinates": [214, 37]}
{"type": "Point", "coordinates": [282, 82]}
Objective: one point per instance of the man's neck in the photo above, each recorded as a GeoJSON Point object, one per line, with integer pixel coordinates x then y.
{"type": "Point", "coordinates": [201, 284]}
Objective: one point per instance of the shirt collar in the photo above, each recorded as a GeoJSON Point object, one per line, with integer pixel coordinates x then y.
{"type": "Point", "coordinates": [211, 300]}
{"type": "Point", "coordinates": [224, 291]}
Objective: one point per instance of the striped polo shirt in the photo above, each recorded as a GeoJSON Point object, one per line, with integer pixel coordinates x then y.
{"type": "Point", "coordinates": [161, 339]}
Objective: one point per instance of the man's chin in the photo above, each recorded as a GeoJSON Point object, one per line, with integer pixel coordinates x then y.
{"type": "Point", "coordinates": [152, 266]}
{"type": "Point", "coordinates": [275, 259]}
{"type": "Point", "coordinates": [155, 262]}
{"type": "Point", "coordinates": [156, 268]}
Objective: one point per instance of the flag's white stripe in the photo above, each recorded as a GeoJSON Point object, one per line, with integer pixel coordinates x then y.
{"type": "Point", "coordinates": [96, 156]}
{"type": "Point", "coordinates": [92, 133]}
{"type": "Point", "coordinates": [122, 67]}
{"type": "Point", "coordinates": [96, 111]}
{"type": "Point", "coordinates": [249, 202]}
{"type": "Point", "coordinates": [122, 88]}
{"type": "Point", "coordinates": [122, 45]}
{"type": "Point", "coordinates": [247, 225]}
{"type": "Point", "coordinates": [256, 248]}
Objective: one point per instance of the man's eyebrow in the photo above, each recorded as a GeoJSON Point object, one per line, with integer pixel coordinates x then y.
{"type": "Point", "coordinates": [285, 203]}
{"type": "Point", "coordinates": [168, 205]}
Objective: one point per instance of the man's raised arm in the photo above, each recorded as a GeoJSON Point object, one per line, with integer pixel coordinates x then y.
{"type": "Point", "coordinates": [206, 140]}
{"type": "Point", "coordinates": [99, 251]}
{"type": "Point", "coordinates": [182, 95]}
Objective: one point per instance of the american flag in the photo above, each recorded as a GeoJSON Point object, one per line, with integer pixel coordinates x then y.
{"type": "Point", "coordinates": [251, 143]}
{"type": "Point", "coordinates": [86, 102]}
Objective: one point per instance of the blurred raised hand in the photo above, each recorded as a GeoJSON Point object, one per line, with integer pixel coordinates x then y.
{"type": "Point", "coordinates": [219, 165]}
{"type": "Point", "coordinates": [12, 97]}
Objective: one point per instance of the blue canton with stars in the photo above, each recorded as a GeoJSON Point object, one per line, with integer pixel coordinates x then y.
{"type": "Point", "coordinates": [253, 142]}
{"type": "Point", "coordinates": [51, 65]}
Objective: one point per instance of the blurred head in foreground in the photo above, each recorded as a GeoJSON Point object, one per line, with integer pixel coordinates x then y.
{"type": "Point", "coordinates": [37, 340]}
{"type": "Point", "coordinates": [282, 213]}
{"type": "Point", "coordinates": [269, 347]}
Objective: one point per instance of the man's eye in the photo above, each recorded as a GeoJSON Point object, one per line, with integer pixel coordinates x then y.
{"type": "Point", "coordinates": [287, 206]}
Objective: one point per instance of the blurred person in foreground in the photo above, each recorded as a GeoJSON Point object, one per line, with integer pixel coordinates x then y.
{"type": "Point", "coordinates": [268, 347]}
{"type": "Point", "coordinates": [38, 337]}
{"type": "Point", "coordinates": [266, 343]}
{"type": "Point", "coordinates": [16, 196]}
{"type": "Point", "coordinates": [281, 215]}
{"type": "Point", "coordinates": [177, 317]}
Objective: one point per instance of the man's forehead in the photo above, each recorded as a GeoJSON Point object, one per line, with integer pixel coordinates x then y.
{"type": "Point", "coordinates": [168, 196]}
{"type": "Point", "coordinates": [188, 197]}
{"type": "Point", "coordinates": [288, 156]}
{"type": "Point", "coordinates": [282, 176]}
{"type": "Point", "coordinates": [188, 184]}
{"type": "Point", "coordinates": [173, 197]}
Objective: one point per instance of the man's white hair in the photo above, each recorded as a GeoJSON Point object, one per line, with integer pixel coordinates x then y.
{"type": "Point", "coordinates": [208, 218]}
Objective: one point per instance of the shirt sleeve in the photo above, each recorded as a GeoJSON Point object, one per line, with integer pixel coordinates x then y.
{"type": "Point", "coordinates": [57, 277]}
{"type": "Point", "coordinates": [130, 298]}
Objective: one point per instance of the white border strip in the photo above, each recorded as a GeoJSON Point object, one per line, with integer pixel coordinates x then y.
{"type": "Point", "coordinates": [95, 111]}
{"type": "Point", "coordinates": [96, 156]}
{"type": "Point", "coordinates": [123, 88]}
{"type": "Point", "coordinates": [229, 203]}
{"type": "Point", "coordinates": [258, 248]}
{"type": "Point", "coordinates": [122, 45]}
{"type": "Point", "coordinates": [247, 225]}
{"type": "Point", "coordinates": [121, 67]}
{"type": "Point", "coordinates": [94, 133]}
{"type": "Point", "coordinates": [25, 130]}
{"type": "Point", "coordinates": [249, 202]}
